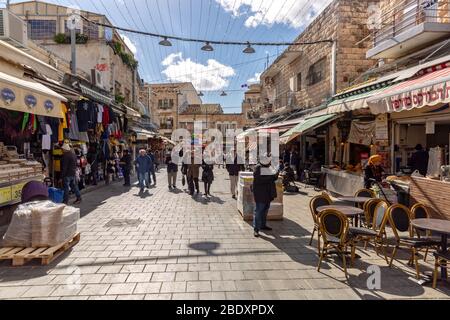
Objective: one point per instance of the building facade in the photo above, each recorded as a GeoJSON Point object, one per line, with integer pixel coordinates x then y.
{"type": "Point", "coordinates": [253, 106]}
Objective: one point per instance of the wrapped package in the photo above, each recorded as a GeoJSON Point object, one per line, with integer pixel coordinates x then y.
{"type": "Point", "coordinates": [20, 230]}
{"type": "Point", "coordinates": [46, 226]}
{"type": "Point", "coordinates": [71, 216]}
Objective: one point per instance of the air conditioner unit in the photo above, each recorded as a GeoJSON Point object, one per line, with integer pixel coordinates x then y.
{"type": "Point", "coordinates": [97, 78]}
{"type": "Point", "coordinates": [13, 29]}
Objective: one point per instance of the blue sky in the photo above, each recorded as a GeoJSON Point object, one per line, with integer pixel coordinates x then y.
{"type": "Point", "coordinates": [226, 68]}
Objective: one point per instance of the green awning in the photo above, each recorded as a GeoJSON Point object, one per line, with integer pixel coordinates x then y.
{"type": "Point", "coordinates": [307, 125]}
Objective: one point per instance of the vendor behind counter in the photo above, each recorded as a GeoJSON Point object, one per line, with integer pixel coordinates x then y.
{"type": "Point", "coordinates": [419, 160]}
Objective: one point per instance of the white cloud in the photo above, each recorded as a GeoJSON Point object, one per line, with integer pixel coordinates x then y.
{"type": "Point", "coordinates": [209, 77]}
{"type": "Point", "coordinates": [129, 44]}
{"type": "Point", "coordinates": [295, 13]}
{"type": "Point", "coordinates": [255, 78]}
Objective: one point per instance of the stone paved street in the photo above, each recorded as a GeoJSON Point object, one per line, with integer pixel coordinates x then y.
{"type": "Point", "coordinates": [184, 248]}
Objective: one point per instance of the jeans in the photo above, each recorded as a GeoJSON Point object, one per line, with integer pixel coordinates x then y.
{"type": "Point", "coordinates": [151, 174]}
{"type": "Point", "coordinates": [193, 183]}
{"type": "Point", "coordinates": [142, 177]}
{"type": "Point", "coordinates": [260, 216]}
{"type": "Point", "coordinates": [70, 183]}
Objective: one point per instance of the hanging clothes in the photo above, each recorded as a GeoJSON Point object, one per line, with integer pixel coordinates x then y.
{"type": "Point", "coordinates": [74, 132]}
{"type": "Point", "coordinates": [105, 119]}
{"type": "Point", "coordinates": [84, 115]}
{"type": "Point", "coordinates": [99, 113]}
{"type": "Point", "coordinates": [47, 138]}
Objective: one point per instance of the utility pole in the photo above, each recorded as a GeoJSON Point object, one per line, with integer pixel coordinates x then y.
{"type": "Point", "coordinates": [7, 4]}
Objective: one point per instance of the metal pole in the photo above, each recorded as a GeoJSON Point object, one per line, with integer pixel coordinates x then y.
{"type": "Point", "coordinates": [73, 64]}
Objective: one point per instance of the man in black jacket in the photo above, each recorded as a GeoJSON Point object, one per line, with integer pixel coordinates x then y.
{"type": "Point", "coordinates": [68, 170]}
{"type": "Point", "coordinates": [233, 168]}
{"type": "Point", "coordinates": [264, 192]}
{"type": "Point", "coordinates": [125, 163]}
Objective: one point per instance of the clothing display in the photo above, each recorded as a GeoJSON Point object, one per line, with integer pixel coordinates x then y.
{"type": "Point", "coordinates": [99, 113]}
{"type": "Point", "coordinates": [74, 132]}
{"type": "Point", "coordinates": [47, 138]}
{"type": "Point", "coordinates": [105, 115]}
{"type": "Point", "coordinates": [362, 133]}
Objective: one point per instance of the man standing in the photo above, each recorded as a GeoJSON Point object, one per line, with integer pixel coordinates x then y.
{"type": "Point", "coordinates": [151, 172]}
{"type": "Point", "coordinates": [419, 160]}
{"type": "Point", "coordinates": [264, 192]}
{"type": "Point", "coordinates": [287, 156]}
{"type": "Point", "coordinates": [234, 166]}
{"type": "Point", "coordinates": [143, 163]}
{"type": "Point", "coordinates": [68, 169]}
{"type": "Point", "coordinates": [125, 163]}
{"type": "Point", "coordinates": [172, 170]}
{"type": "Point", "coordinates": [295, 161]}
{"type": "Point", "coordinates": [193, 173]}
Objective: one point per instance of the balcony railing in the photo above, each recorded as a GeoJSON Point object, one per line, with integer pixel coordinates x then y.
{"type": "Point", "coordinates": [410, 13]}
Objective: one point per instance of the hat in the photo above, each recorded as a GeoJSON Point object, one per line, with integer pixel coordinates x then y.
{"type": "Point", "coordinates": [66, 147]}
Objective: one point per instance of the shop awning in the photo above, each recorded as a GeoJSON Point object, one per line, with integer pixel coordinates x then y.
{"type": "Point", "coordinates": [97, 96]}
{"type": "Point", "coordinates": [306, 126]}
{"type": "Point", "coordinates": [131, 112]}
{"type": "Point", "coordinates": [142, 134]}
{"type": "Point", "coordinates": [28, 96]}
{"type": "Point", "coordinates": [351, 103]}
{"type": "Point", "coordinates": [430, 89]}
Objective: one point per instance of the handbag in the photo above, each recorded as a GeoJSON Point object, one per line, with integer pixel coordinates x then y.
{"type": "Point", "coordinates": [183, 180]}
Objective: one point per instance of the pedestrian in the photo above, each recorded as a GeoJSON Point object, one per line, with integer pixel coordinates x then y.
{"type": "Point", "coordinates": [264, 192]}
{"type": "Point", "coordinates": [125, 164]}
{"type": "Point", "coordinates": [143, 163]}
{"type": "Point", "coordinates": [68, 170]}
{"type": "Point", "coordinates": [92, 158]}
{"type": "Point", "coordinates": [156, 161]}
{"type": "Point", "coordinates": [234, 166]}
{"type": "Point", "coordinates": [287, 155]}
{"type": "Point", "coordinates": [151, 171]}
{"type": "Point", "coordinates": [373, 173]}
{"type": "Point", "coordinates": [172, 171]}
{"type": "Point", "coordinates": [207, 177]}
{"type": "Point", "coordinates": [419, 160]}
{"type": "Point", "coordinates": [295, 161]}
{"type": "Point", "coordinates": [193, 173]}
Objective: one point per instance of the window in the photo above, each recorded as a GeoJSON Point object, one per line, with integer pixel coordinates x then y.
{"type": "Point", "coordinates": [316, 72]}
{"type": "Point", "coordinates": [166, 104]}
{"type": "Point", "coordinates": [160, 104]}
{"type": "Point", "coordinates": [91, 30]}
{"type": "Point", "coordinates": [171, 103]}
{"type": "Point", "coordinates": [298, 86]}
{"type": "Point", "coordinates": [41, 29]}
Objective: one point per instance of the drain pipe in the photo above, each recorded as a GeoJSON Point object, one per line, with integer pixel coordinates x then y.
{"type": "Point", "coordinates": [333, 76]}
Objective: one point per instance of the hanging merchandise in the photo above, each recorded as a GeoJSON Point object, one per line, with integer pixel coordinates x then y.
{"type": "Point", "coordinates": [99, 113]}
{"type": "Point", "coordinates": [105, 115]}
{"type": "Point", "coordinates": [47, 138]}
{"type": "Point", "coordinates": [74, 132]}
{"type": "Point", "coordinates": [435, 162]}
{"type": "Point", "coordinates": [362, 133]}
{"type": "Point", "coordinates": [85, 115]}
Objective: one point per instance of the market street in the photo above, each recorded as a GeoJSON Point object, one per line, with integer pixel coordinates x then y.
{"type": "Point", "coordinates": [167, 245]}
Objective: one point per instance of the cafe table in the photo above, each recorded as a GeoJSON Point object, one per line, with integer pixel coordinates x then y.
{"type": "Point", "coordinates": [348, 211]}
{"type": "Point", "coordinates": [355, 200]}
{"type": "Point", "coordinates": [436, 226]}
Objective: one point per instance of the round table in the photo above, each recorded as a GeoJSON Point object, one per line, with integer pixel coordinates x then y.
{"type": "Point", "coordinates": [354, 199]}
{"type": "Point", "coordinates": [441, 227]}
{"type": "Point", "coordinates": [349, 211]}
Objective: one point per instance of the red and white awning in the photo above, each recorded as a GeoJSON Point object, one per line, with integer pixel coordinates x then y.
{"type": "Point", "coordinates": [430, 88]}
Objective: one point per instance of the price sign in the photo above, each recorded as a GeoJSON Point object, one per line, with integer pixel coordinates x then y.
{"type": "Point", "coordinates": [16, 191]}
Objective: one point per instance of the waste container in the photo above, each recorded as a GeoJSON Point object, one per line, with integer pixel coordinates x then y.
{"type": "Point", "coordinates": [246, 202]}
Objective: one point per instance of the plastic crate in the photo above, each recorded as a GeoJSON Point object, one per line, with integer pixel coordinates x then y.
{"type": "Point", "coordinates": [56, 195]}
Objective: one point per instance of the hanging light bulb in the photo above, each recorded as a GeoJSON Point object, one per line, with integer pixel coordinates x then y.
{"type": "Point", "coordinates": [249, 49]}
{"type": "Point", "coordinates": [201, 94]}
{"type": "Point", "coordinates": [165, 42]}
{"type": "Point", "coordinates": [207, 47]}
{"type": "Point", "coordinates": [223, 94]}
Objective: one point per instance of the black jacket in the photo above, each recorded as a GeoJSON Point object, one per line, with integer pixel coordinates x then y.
{"type": "Point", "coordinates": [264, 189]}
{"type": "Point", "coordinates": [68, 164]}
{"type": "Point", "coordinates": [235, 168]}
{"type": "Point", "coordinates": [419, 161]}
{"type": "Point", "coordinates": [171, 166]}
{"type": "Point", "coordinates": [125, 162]}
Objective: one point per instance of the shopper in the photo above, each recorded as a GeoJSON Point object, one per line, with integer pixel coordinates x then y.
{"type": "Point", "coordinates": [143, 164]}
{"type": "Point", "coordinates": [419, 160]}
{"type": "Point", "coordinates": [193, 173]}
{"type": "Point", "coordinates": [68, 170]}
{"type": "Point", "coordinates": [234, 166]}
{"type": "Point", "coordinates": [207, 177]}
{"type": "Point", "coordinates": [92, 158]}
{"type": "Point", "coordinates": [125, 164]}
{"type": "Point", "coordinates": [172, 170]}
{"type": "Point", "coordinates": [287, 155]}
{"type": "Point", "coordinates": [295, 161]}
{"type": "Point", "coordinates": [151, 171]}
{"type": "Point", "coordinates": [373, 172]}
{"type": "Point", "coordinates": [264, 192]}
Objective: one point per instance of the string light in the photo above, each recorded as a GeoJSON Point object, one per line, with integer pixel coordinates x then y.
{"type": "Point", "coordinates": [207, 47]}
{"type": "Point", "coordinates": [249, 49]}
{"type": "Point", "coordinates": [165, 42]}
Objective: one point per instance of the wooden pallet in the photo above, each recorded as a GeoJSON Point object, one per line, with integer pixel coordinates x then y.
{"type": "Point", "coordinates": [20, 256]}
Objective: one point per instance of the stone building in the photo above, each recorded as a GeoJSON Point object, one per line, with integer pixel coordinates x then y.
{"type": "Point", "coordinates": [166, 101]}
{"type": "Point", "coordinates": [102, 55]}
{"type": "Point", "coordinates": [306, 76]}
{"type": "Point", "coordinates": [252, 106]}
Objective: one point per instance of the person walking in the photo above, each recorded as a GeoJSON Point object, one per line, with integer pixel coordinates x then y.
{"type": "Point", "coordinates": [125, 164]}
{"type": "Point", "coordinates": [193, 173]}
{"type": "Point", "coordinates": [92, 158]}
{"type": "Point", "coordinates": [234, 166]}
{"type": "Point", "coordinates": [151, 172]}
{"type": "Point", "coordinates": [287, 156]}
{"type": "Point", "coordinates": [264, 192]}
{"type": "Point", "coordinates": [68, 171]}
{"type": "Point", "coordinates": [172, 171]}
{"type": "Point", "coordinates": [207, 177]}
{"type": "Point", "coordinates": [143, 164]}
{"type": "Point", "coordinates": [295, 161]}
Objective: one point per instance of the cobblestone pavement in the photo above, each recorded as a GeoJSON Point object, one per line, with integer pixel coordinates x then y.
{"type": "Point", "coordinates": [173, 246]}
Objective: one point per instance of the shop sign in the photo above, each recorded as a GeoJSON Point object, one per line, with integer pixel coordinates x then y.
{"type": "Point", "coordinates": [8, 96]}
{"type": "Point", "coordinates": [382, 128]}
{"type": "Point", "coordinates": [49, 106]}
{"type": "Point", "coordinates": [16, 191]}
{"type": "Point", "coordinates": [30, 101]}
{"type": "Point", "coordinates": [420, 98]}
{"type": "Point", "coordinates": [5, 195]}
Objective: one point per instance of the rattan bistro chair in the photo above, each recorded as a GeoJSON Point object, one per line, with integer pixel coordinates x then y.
{"type": "Point", "coordinates": [400, 221]}
{"type": "Point", "coordinates": [419, 211]}
{"type": "Point", "coordinates": [365, 193]}
{"type": "Point", "coordinates": [369, 212]}
{"type": "Point", "coordinates": [334, 228]}
{"type": "Point", "coordinates": [316, 202]}
{"type": "Point", "coordinates": [442, 260]}
{"type": "Point", "coordinates": [376, 234]}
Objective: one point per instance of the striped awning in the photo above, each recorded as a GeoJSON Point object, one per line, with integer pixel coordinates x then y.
{"type": "Point", "coordinates": [430, 88]}
{"type": "Point", "coordinates": [97, 96]}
